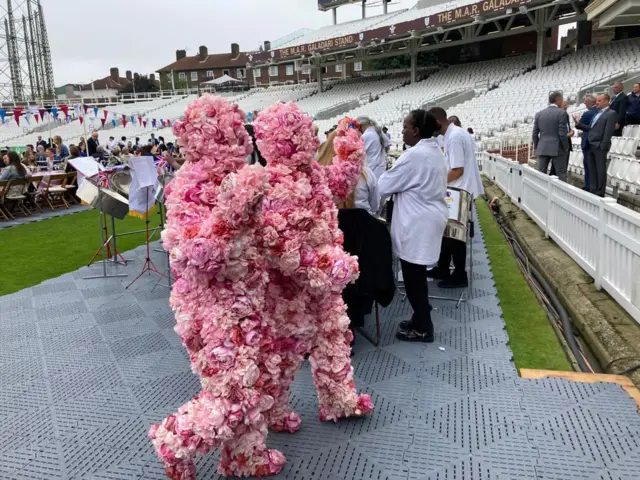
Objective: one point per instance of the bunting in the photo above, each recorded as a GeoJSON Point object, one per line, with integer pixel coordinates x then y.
{"type": "Point", "coordinates": [95, 111]}
{"type": "Point", "coordinates": [102, 120]}
{"type": "Point", "coordinates": [36, 116]}
{"type": "Point", "coordinates": [3, 114]}
{"type": "Point", "coordinates": [124, 120]}
{"type": "Point", "coordinates": [86, 108]}
{"type": "Point", "coordinates": [144, 123]}
{"type": "Point", "coordinates": [17, 111]}
{"type": "Point", "coordinates": [140, 119]}
{"type": "Point", "coordinates": [105, 113]}
{"type": "Point", "coordinates": [65, 110]}
{"type": "Point", "coordinates": [81, 117]}
{"type": "Point", "coordinates": [42, 112]}
{"type": "Point", "coordinates": [153, 123]}
{"type": "Point", "coordinates": [54, 112]}
{"type": "Point", "coordinates": [113, 122]}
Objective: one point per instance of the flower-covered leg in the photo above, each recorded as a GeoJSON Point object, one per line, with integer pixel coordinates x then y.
{"type": "Point", "coordinates": [281, 418]}
{"type": "Point", "coordinates": [246, 454]}
{"type": "Point", "coordinates": [331, 363]}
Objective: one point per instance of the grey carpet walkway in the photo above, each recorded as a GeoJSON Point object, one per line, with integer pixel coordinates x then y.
{"type": "Point", "coordinates": [87, 366]}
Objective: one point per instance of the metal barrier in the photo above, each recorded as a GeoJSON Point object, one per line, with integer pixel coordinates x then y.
{"type": "Point", "coordinates": [600, 235]}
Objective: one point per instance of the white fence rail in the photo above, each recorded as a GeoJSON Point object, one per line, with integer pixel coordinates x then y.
{"type": "Point", "coordinates": [600, 235]}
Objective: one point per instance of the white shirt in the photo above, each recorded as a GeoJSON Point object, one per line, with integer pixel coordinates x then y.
{"type": "Point", "coordinates": [367, 195]}
{"type": "Point", "coordinates": [376, 158]}
{"type": "Point", "coordinates": [460, 149]}
{"type": "Point", "coordinates": [419, 180]}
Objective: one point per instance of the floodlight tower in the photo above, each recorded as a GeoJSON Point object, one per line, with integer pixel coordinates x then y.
{"type": "Point", "coordinates": [26, 70]}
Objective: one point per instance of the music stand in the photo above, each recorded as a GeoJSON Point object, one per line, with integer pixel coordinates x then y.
{"type": "Point", "coordinates": [141, 171]}
{"type": "Point", "coordinates": [102, 250]}
{"type": "Point", "coordinates": [160, 199]}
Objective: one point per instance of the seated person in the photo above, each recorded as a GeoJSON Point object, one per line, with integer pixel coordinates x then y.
{"type": "Point", "coordinates": [14, 169]}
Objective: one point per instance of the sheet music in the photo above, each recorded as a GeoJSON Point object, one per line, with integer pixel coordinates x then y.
{"type": "Point", "coordinates": [143, 171]}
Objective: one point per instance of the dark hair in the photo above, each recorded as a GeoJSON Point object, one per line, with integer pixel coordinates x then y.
{"type": "Point", "coordinates": [123, 138]}
{"type": "Point", "coordinates": [425, 122]}
{"type": "Point", "coordinates": [146, 150]}
{"type": "Point", "coordinates": [14, 159]}
{"type": "Point", "coordinates": [555, 96]}
{"type": "Point", "coordinates": [161, 138]}
{"type": "Point", "coordinates": [74, 151]}
{"type": "Point", "coordinates": [470, 130]}
{"type": "Point", "coordinates": [455, 120]}
{"type": "Point", "coordinates": [249, 128]}
{"type": "Point", "coordinates": [607, 97]}
{"type": "Point", "coordinates": [439, 113]}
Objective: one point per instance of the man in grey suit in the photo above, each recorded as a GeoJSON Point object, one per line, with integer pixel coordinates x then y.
{"type": "Point", "coordinates": [550, 140]}
{"type": "Point", "coordinates": [600, 131]}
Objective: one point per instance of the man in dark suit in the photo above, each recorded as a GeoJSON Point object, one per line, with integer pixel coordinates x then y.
{"type": "Point", "coordinates": [92, 144]}
{"type": "Point", "coordinates": [585, 119]}
{"type": "Point", "coordinates": [619, 104]}
{"type": "Point", "coordinates": [550, 140]}
{"type": "Point", "coordinates": [600, 131]}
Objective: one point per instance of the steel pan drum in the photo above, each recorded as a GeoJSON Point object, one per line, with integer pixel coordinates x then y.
{"type": "Point", "coordinates": [161, 185]}
{"type": "Point", "coordinates": [107, 201]}
{"type": "Point", "coordinates": [121, 183]}
{"type": "Point", "coordinates": [459, 205]}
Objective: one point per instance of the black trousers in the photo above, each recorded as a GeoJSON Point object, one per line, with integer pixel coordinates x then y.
{"type": "Point", "coordinates": [415, 284]}
{"type": "Point", "coordinates": [597, 171]}
{"type": "Point", "coordinates": [458, 251]}
{"type": "Point", "coordinates": [632, 120]}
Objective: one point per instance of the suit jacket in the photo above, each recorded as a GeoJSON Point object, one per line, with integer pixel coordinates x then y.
{"type": "Point", "coordinates": [620, 104]}
{"type": "Point", "coordinates": [550, 132]}
{"type": "Point", "coordinates": [369, 240]}
{"type": "Point", "coordinates": [92, 146]}
{"type": "Point", "coordinates": [585, 119]}
{"type": "Point", "coordinates": [600, 133]}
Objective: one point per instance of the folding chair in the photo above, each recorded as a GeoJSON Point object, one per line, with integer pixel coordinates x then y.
{"type": "Point", "coordinates": [55, 190]}
{"type": "Point", "coordinates": [4, 188]}
{"type": "Point", "coordinates": [15, 195]}
{"type": "Point", "coordinates": [71, 187]}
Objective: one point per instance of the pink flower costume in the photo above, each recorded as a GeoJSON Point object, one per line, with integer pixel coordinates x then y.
{"type": "Point", "coordinates": [249, 305]}
{"type": "Point", "coordinates": [308, 266]}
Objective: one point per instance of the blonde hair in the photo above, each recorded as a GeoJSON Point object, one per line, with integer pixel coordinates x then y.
{"type": "Point", "coordinates": [325, 158]}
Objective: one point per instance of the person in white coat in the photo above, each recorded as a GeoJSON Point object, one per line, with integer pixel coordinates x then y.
{"type": "Point", "coordinates": [419, 182]}
{"type": "Point", "coordinates": [376, 145]}
{"type": "Point", "coordinates": [460, 150]}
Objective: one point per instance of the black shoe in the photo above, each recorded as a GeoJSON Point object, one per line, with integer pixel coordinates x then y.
{"type": "Point", "coordinates": [405, 325]}
{"type": "Point", "coordinates": [436, 274]}
{"type": "Point", "coordinates": [414, 336]}
{"type": "Point", "coordinates": [454, 283]}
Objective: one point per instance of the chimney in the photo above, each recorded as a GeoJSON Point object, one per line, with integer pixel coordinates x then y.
{"type": "Point", "coordinates": [267, 45]}
{"type": "Point", "coordinates": [204, 53]}
{"type": "Point", "coordinates": [152, 78]}
{"type": "Point", "coordinates": [115, 74]}
{"type": "Point", "coordinates": [129, 75]}
{"type": "Point", "coordinates": [136, 76]}
{"type": "Point", "coordinates": [235, 50]}
{"type": "Point", "coordinates": [180, 54]}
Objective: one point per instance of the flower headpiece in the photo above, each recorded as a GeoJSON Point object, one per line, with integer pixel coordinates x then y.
{"type": "Point", "coordinates": [285, 135]}
{"type": "Point", "coordinates": [213, 128]}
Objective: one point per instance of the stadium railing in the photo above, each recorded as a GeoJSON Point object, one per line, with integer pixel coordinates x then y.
{"type": "Point", "coordinates": [597, 233]}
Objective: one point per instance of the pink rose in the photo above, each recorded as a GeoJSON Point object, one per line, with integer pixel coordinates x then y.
{"type": "Point", "coordinates": [198, 251]}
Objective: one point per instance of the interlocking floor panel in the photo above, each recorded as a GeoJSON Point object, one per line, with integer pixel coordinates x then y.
{"type": "Point", "coordinates": [86, 367]}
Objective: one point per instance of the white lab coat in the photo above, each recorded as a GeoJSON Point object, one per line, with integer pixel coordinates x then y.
{"type": "Point", "coordinates": [460, 150]}
{"type": "Point", "coordinates": [419, 180]}
{"type": "Point", "coordinates": [366, 194]}
{"type": "Point", "coordinates": [376, 155]}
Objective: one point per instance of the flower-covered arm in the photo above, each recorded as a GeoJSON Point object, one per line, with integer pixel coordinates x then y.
{"type": "Point", "coordinates": [343, 174]}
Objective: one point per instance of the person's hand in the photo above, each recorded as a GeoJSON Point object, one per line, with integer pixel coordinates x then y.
{"type": "Point", "coordinates": [576, 117]}
{"type": "Point", "coordinates": [617, 126]}
{"type": "Point", "coordinates": [571, 133]}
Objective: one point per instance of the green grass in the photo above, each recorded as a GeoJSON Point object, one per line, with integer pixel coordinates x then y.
{"type": "Point", "coordinates": [532, 339]}
{"type": "Point", "coordinates": [35, 252]}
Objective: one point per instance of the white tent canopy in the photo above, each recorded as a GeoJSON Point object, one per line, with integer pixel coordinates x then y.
{"type": "Point", "coordinates": [222, 80]}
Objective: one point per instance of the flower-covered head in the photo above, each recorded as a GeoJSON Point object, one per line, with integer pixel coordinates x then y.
{"type": "Point", "coordinates": [213, 129]}
{"type": "Point", "coordinates": [348, 142]}
{"type": "Point", "coordinates": [285, 136]}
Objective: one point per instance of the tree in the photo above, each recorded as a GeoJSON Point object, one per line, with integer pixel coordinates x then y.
{"type": "Point", "coordinates": [142, 84]}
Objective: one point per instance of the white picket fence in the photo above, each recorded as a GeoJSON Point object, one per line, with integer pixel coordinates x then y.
{"type": "Point", "coordinates": [600, 235]}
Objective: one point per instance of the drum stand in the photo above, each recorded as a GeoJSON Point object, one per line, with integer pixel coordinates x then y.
{"type": "Point", "coordinates": [104, 249]}
{"type": "Point", "coordinates": [148, 266]}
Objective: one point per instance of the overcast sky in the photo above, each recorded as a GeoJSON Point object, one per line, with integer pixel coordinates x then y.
{"type": "Point", "coordinates": [87, 37]}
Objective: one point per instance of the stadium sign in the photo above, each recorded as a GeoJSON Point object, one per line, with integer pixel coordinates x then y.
{"type": "Point", "coordinates": [467, 12]}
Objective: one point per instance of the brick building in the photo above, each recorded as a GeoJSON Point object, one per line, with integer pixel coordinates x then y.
{"type": "Point", "coordinates": [191, 71]}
